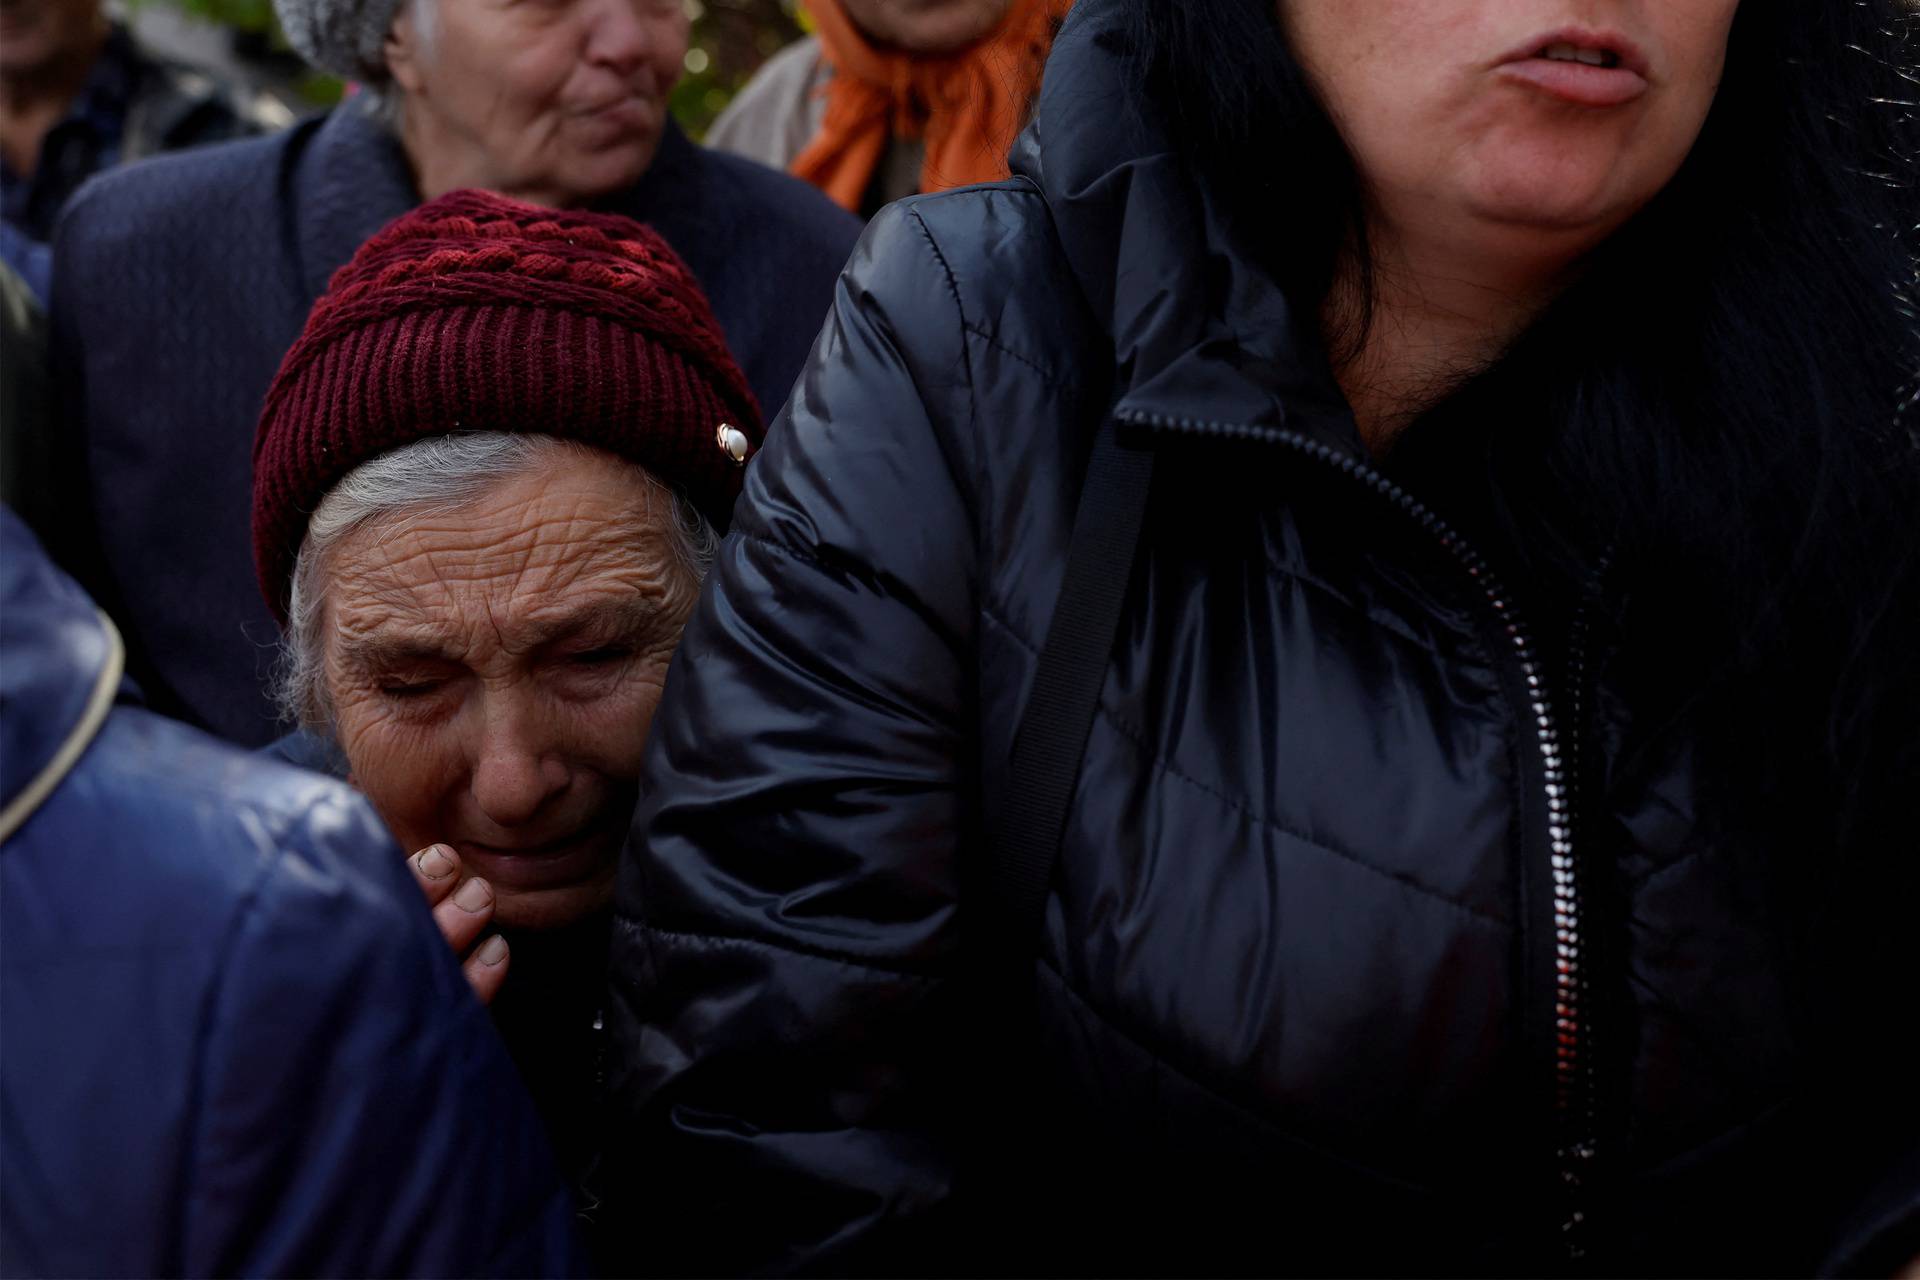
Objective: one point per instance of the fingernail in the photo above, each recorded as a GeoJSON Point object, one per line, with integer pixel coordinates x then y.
{"type": "Point", "coordinates": [493, 950]}
{"type": "Point", "coordinates": [435, 862]}
{"type": "Point", "coordinates": [475, 896]}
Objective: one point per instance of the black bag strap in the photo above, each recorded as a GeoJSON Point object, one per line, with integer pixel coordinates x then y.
{"type": "Point", "coordinates": [1054, 725]}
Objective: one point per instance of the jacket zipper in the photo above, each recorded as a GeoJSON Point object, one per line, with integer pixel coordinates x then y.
{"type": "Point", "coordinates": [587, 1198]}
{"type": "Point", "coordinates": [1575, 1087]}
{"type": "Point", "coordinates": [1574, 1091]}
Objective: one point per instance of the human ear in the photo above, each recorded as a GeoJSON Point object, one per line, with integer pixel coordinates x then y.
{"type": "Point", "coordinates": [403, 50]}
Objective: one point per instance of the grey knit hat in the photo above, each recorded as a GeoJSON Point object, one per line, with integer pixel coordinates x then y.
{"type": "Point", "coordinates": [344, 37]}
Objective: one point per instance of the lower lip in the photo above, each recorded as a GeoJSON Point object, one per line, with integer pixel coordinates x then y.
{"type": "Point", "coordinates": [544, 868]}
{"type": "Point", "coordinates": [1578, 82]}
{"type": "Point", "coordinates": [629, 113]}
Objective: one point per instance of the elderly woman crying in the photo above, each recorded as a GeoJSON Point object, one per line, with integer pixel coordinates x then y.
{"type": "Point", "coordinates": [486, 486]}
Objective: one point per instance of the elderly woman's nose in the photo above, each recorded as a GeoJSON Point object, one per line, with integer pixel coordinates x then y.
{"type": "Point", "coordinates": [514, 775]}
{"type": "Point", "coordinates": [619, 34]}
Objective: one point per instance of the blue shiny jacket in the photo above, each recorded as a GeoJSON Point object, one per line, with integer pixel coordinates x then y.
{"type": "Point", "coordinates": [233, 1041]}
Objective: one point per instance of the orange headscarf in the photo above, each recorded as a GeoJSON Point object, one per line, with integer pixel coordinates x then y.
{"type": "Point", "coordinates": [968, 105]}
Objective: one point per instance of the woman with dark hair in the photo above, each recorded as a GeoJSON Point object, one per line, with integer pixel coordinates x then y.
{"type": "Point", "coordinates": [1323, 680]}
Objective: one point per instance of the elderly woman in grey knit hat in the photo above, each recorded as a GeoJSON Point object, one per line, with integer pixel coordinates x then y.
{"type": "Point", "coordinates": [557, 103]}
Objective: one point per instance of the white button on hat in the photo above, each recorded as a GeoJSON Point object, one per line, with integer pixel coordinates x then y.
{"type": "Point", "coordinates": [733, 442]}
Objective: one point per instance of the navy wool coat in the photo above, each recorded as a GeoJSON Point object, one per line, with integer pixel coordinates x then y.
{"type": "Point", "coordinates": [182, 282]}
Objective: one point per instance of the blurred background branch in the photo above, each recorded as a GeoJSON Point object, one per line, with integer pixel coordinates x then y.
{"type": "Point", "coordinates": [731, 38]}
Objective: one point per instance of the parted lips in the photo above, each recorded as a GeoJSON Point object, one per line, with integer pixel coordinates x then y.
{"type": "Point", "coordinates": [478, 313]}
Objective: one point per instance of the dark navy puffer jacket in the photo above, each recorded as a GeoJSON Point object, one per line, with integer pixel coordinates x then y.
{"type": "Point", "coordinates": [235, 1044]}
{"type": "Point", "coordinates": [1373, 945]}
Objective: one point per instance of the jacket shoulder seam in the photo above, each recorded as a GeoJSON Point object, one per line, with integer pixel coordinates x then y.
{"type": "Point", "coordinates": [946, 269]}
{"type": "Point", "coordinates": [1052, 377]}
{"type": "Point", "coordinates": [981, 476]}
{"type": "Point", "coordinates": [1017, 187]}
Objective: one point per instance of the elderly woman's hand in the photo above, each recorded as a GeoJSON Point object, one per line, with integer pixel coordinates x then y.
{"type": "Point", "coordinates": [462, 907]}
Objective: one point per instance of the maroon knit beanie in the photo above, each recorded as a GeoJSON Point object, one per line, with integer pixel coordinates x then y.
{"type": "Point", "coordinates": [477, 313]}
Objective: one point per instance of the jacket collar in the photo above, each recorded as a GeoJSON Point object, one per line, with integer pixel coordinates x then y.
{"type": "Point", "coordinates": [356, 179]}
{"type": "Point", "coordinates": [1198, 330]}
{"type": "Point", "coordinates": [61, 676]}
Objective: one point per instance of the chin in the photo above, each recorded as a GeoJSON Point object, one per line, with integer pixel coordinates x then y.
{"type": "Point", "coordinates": [542, 909]}
{"type": "Point", "coordinates": [601, 174]}
{"type": "Point", "coordinates": [1565, 180]}
{"type": "Point", "coordinates": [1550, 212]}
{"type": "Point", "coordinates": [1563, 197]}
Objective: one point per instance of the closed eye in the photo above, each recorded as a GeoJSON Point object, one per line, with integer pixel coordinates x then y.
{"type": "Point", "coordinates": [599, 657]}
{"type": "Point", "coordinates": [401, 691]}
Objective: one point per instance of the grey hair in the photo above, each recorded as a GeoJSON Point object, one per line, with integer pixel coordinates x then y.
{"type": "Point", "coordinates": [429, 477]}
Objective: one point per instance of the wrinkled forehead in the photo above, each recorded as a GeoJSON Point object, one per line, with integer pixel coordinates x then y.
{"type": "Point", "coordinates": [507, 572]}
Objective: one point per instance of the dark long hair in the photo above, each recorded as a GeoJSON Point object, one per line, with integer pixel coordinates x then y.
{"type": "Point", "coordinates": [1729, 404]}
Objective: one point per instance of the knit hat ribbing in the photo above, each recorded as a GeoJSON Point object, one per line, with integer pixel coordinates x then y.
{"type": "Point", "coordinates": [344, 37]}
{"type": "Point", "coordinates": [477, 313]}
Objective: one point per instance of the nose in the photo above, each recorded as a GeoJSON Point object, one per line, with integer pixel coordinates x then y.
{"type": "Point", "coordinates": [619, 36]}
{"type": "Point", "coordinates": [514, 772]}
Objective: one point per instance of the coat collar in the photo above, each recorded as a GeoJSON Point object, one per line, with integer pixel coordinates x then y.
{"type": "Point", "coordinates": [354, 181]}
{"type": "Point", "coordinates": [1198, 329]}
{"type": "Point", "coordinates": [61, 677]}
